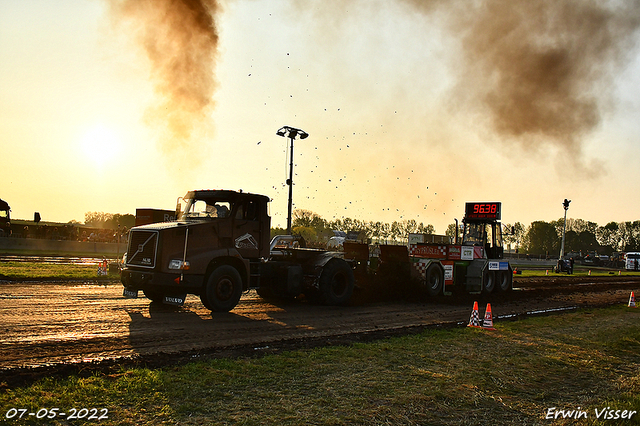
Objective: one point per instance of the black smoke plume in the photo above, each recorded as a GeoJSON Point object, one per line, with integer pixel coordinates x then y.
{"type": "Point", "coordinates": [180, 39]}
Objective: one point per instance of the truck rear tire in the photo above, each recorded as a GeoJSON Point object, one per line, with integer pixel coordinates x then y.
{"type": "Point", "coordinates": [222, 290]}
{"type": "Point", "coordinates": [505, 280]}
{"type": "Point", "coordinates": [336, 283]}
{"type": "Point", "coordinates": [488, 282]}
{"type": "Point", "coordinates": [434, 280]}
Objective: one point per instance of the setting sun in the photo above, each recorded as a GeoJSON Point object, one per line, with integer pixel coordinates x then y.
{"type": "Point", "coordinates": [100, 145]}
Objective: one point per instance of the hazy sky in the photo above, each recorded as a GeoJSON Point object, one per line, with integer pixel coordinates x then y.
{"type": "Point", "coordinates": [412, 108]}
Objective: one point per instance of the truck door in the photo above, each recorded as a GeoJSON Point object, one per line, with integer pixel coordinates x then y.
{"type": "Point", "coordinates": [494, 241]}
{"type": "Point", "coordinates": [246, 229]}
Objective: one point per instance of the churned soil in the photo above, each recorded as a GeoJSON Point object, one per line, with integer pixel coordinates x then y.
{"type": "Point", "coordinates": [70, 327]}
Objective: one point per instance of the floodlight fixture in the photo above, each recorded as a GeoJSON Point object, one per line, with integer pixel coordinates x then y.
{"type": "Point", "coordinates": [292, 133]}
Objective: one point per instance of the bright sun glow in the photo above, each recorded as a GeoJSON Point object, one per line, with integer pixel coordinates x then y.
{"type": "Point", "coordinates": [101, 145]}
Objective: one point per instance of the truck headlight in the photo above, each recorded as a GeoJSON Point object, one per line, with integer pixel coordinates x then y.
{"type": "Point", "coordinates": [179, 265]}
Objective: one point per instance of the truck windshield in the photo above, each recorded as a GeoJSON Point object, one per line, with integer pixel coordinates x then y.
{"type": "Point", "coordinates": [200, 209]}
{"type": "Point", "coordinates": [474, 234]}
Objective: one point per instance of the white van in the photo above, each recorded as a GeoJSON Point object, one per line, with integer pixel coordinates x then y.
{"type": "Point", "coordinates": [632, 261]}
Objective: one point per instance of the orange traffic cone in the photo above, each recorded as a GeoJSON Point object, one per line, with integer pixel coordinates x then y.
{"type": "Point", "coordinates": [632, 301]}
{"type": "Point", "coordinates": [475, 317]}
{"type": "Point", "coordinates": [487, 324]}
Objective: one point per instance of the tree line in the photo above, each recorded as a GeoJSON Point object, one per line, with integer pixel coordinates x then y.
{"type": "Point", "coordinates": [316, 230]}
{"type": "Point", "coordinates": [539, 238]}
{"type": "Point", "coordinates": [545, 238]}
{"type": "Point", "coordinates": [109, 220]}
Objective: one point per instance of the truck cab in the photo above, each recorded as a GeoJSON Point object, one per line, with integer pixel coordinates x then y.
{"type": "Point", "coordinates": [213, 228]}
{"type": "Point", "coordinates": [219, 247]}
{"type": "Point", "coordinates": [486, 235]}
{"type": "Point", "coordinates": [482, 228]}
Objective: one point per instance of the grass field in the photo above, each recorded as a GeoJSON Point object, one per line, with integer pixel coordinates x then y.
{"type": "Point", "coordinates": [584, 361]}
{"type": "Point", "coordinates": [50, 271]}
{"type": "Point", "coordinates": [47, 271]}
{"type": "Point", "coordinates": [579, 271]}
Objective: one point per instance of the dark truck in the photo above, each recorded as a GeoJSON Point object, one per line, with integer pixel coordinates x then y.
{"type": "Point", "coordinates": [5, 219]}
{"type": "Point", "coordinates": [219, 247]}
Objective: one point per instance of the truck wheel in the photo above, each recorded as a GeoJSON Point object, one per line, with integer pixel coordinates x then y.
{"type": "Point", "coordinates": [223, 289]}
{"type": "Point", "coordinates": [505, 279]}
{"type": "Point", "coordinates": [434, 280]}
{"type": "Point", "coordinates": [336, 283]}
{"type": "Point", "coordinates": [155, 295]}
{"type": "Point", "coordinates": [488, 282]}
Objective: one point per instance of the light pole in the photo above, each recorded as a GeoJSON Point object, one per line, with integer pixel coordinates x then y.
{"type": "Point", "coordinates": [291, 133]}
{"type": "Point", "coordinates": [565, 204]}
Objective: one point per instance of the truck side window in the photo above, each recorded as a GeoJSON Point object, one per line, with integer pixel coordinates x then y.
{"type": "Point", "coordinates": [239, 212]}
{"type": "Point", "coordinates": [252, 211]}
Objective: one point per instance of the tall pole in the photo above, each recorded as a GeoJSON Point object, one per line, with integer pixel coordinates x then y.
{"type": "Point", "coordinates": [291, 133]}
{"type": "Point", "coordinates": [565, 204]}
{"type": "Point", "coordinates": [290, 182]}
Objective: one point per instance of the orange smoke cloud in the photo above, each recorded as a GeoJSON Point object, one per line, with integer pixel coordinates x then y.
{"type": "Point", "coordinates": [539, 70]}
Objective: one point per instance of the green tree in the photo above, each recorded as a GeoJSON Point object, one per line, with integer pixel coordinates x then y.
{"type": "Point", "coordinates": [109, 220]}
{"type": "Point", "coordinates": [514, 235]}
{"type": "Point", "coordinates": [630, 236]}
{"type": "Point", "coordinates": [306, 232]}
{"type": "Point", "coordinates": [451, 232]}
{"type": "Point", "coordinates": [543, 238]}
{"type": "Point", "coordinates": [278, 231]}
{"type": "Point", "coordinates": [426, 229]}
{"type": "Point", "coordinates": [608, 237]}
{"type": "Point", "coordinates": [308, 218]}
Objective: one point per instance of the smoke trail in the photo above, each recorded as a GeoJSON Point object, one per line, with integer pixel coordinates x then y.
{"type": "Point", "coordinates": [539, 70]}
{"type": "Point", "coordinates": [180, 39]}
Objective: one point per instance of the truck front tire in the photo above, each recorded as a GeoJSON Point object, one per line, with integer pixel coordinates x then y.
{"type": "Point", "coordinates": [336, 283]}
{"type": "Point", "coordinates": [222, 290]}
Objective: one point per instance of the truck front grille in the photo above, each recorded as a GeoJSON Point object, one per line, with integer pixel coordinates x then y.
{"type": "Point", "coordinates": [142, 248]}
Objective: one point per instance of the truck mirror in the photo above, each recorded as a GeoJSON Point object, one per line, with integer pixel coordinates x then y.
{"type": "Point", "coordinates": [178, 209]}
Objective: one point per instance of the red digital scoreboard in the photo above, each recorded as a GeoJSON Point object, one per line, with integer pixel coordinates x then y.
{"type": "Point", "coordinates": [483, 211]}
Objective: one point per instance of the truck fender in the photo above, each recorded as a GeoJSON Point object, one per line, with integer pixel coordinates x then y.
{"type": "Point", "coordinates": [317, 264]}
{"type": "Point", "coordinates": [238, 262]}
{"type": "Point", "coordinates": [431, 275]}
{"type": "Point", "coordinates": [420, 267]}
{"type": "Point", "coordinates": [336, 282]}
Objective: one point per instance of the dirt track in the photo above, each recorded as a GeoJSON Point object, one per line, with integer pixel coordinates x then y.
{"type": "Point", "coordinates": [48, 325]}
